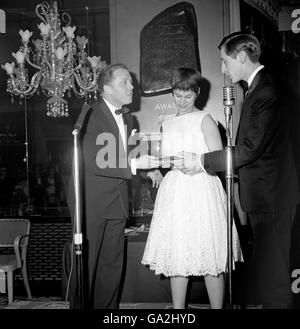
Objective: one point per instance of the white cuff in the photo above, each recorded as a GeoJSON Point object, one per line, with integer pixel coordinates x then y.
{"type": "Point", "coordinates": [133, 166]}
{"type": "Point", "coordinates": [201, 165]}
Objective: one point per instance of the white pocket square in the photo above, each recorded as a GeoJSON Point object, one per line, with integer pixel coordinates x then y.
{"type": "Point", "coordinates": [133, 131]}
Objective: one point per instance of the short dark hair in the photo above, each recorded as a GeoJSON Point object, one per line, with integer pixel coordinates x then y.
{"type": "Point", "coordinates": [106, 76]}
{"type": "Point", "coordinates": [238, 41]}
{"type": "Point", "coordinates": [186, 78]}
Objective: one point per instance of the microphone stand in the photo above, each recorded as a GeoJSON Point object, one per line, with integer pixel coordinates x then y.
{"type": "Point", "coordinates": [78, 245]}
{"type": "Point", "coordinates": [228, 102]}
{"type": "Point", "coordinates": [77, 240]}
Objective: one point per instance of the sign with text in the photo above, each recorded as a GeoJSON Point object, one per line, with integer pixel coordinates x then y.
{"type": "Point", "coordinates": [268, 8]}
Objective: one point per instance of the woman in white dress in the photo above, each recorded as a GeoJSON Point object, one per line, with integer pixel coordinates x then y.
{"type": "Point", "coordinates": [188, 234]}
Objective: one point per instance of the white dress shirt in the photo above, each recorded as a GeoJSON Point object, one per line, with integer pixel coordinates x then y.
{"type": "Point", "coordinates": [252, 76]}
{"type": "Point", "coordinates": [120, 122]}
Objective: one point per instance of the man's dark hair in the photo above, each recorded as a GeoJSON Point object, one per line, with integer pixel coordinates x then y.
{"type": "Point", "coordinates": [106, 76]}
{"type": "Point", "coordinates": [185, 78]}
{"type": "Point", "coordinates": [238, 41]}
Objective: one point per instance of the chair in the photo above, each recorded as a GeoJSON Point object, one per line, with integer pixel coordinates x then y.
{"type": "Point", "coordinates": [14, 236]}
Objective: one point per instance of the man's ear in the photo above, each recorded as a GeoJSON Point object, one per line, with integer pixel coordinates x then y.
{"type": "Point", "coordinates": [107, 89]}
{"type": "Point", "coordinates": [242, 56]}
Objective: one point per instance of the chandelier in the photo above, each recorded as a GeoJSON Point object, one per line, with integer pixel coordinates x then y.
{"type": "Point", "coordinates": [59, 63]}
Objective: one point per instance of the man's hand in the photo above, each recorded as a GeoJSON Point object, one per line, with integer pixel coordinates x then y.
{"type": "Point", "coordinates": [189, 163]}
{"type": "Point", "coordinates": [147, 162]}
{"type": "Point", "coordinates": [156, 177]}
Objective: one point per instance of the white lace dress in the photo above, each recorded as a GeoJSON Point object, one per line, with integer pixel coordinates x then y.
{"type": "Point", "coordinates": [188, 234]}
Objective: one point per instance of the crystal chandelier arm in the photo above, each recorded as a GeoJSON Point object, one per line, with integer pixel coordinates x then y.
{"type": "Point", "coordinates": [44, 8]}
{"type": "Point", "coordinates": [79, 66]}
{"type": "Point", "coordinates": [27, 58]}
{"type": "Point", "coordinates": [32, 92]}
{"type": "Point", "coordinates": [92, 86]}
{"type": "Point", "coordinates": [32, 87]}
{"type": "Point", "coordinates": [35, 80]}
{"type": "Point", "coordinates": [76, 92]}
{"type": "Point", "coordinates": [66, 18]}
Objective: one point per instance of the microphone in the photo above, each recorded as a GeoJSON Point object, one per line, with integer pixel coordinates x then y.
{"type": "Point", "coordinates": [228, 96]}
{"type": "Point", "coordinates": [228, 101]}
{"type": "Point", "coordinates": [81, 117]}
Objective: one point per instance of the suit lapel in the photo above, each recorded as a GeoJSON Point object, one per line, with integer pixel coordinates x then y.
{"type": "Point", "coordinates": [127, 124]}
{"type": "Point", "coordinates": [254, 84]}
{"type": "Point", "coordinates": [255, 81]}
{"type": "Point", "coordinates": [102, 109]}
{"type": "Point", "coordinates": [102, 112]}
{"type": "Point", "coordinates": [106, 111]}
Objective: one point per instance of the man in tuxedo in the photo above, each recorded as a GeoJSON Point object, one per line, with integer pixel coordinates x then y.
{"type": "Point", "coordinates": [263, 159]}
{"type": "Point", "coordinates": [106, 174]}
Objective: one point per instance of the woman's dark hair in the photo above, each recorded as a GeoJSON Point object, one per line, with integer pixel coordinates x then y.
{"type": "Point", "coordinates": [186, 78]}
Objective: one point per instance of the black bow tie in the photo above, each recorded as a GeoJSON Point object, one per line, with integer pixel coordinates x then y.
{"type": "Point", "coordinates": [122, 111]}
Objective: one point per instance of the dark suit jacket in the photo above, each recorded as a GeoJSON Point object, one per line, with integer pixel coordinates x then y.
{"type": "Point", "coordinates": [263, 154]}
{"type": "Point", "coordinates": [105, 190]}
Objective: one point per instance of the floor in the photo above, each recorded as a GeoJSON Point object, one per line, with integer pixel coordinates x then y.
{"type": "Point", "coordinates": [39, 302]}
{"type": "Point", "coordinates": [57, 303]}
{"type": "Point", "coordinates": [36, 302]}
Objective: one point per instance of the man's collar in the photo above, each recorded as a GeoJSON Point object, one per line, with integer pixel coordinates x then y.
{"type": "Point", "coordinates": [252, 76]}
{"type": "Point", "coordinates": [111, 107]}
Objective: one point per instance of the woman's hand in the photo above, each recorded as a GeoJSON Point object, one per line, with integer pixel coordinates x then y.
{"type": "Point", "coordinates": [189, 163]}
{"type": "Point", "coordinates": [147, 162]}
{"type": "Point", "coordinates": [156, 177]}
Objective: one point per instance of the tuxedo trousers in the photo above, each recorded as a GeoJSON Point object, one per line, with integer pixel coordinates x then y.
{"type": "Point", "coordinates": [268, 275]}
{"type": "Point", "coordinates": [105, 262]}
